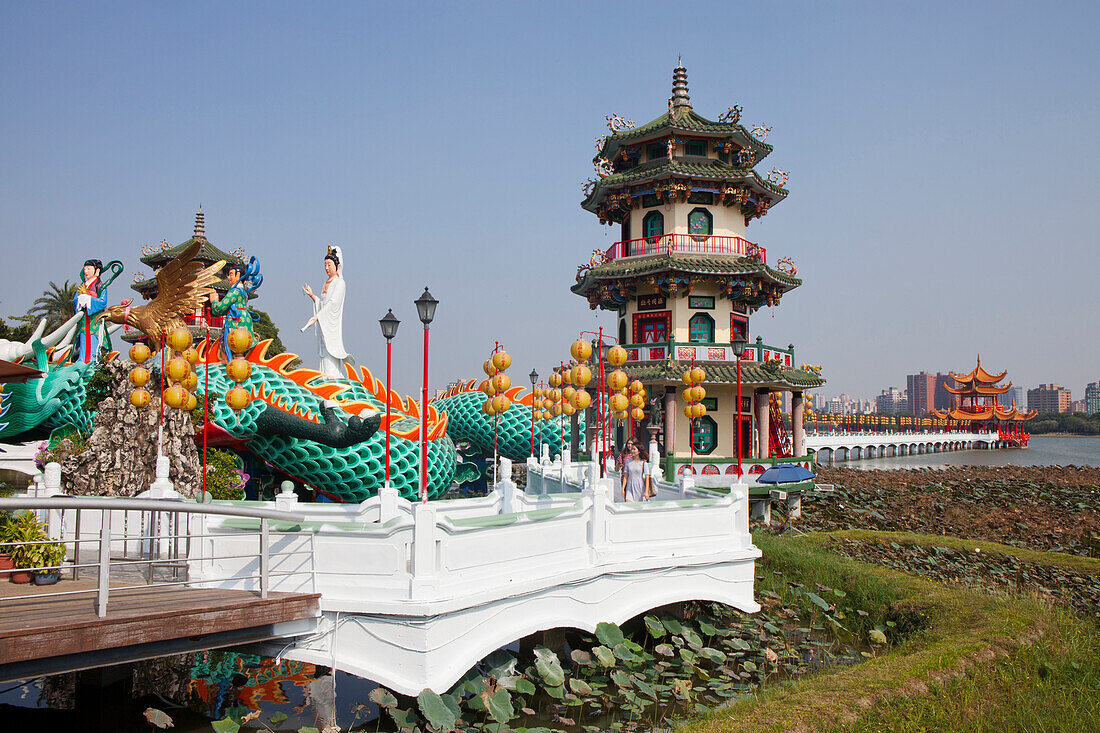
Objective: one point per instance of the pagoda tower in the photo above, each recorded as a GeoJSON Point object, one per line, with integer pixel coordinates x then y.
{"type": "Point", "coordinates": [974, 405]}
{"type": "Point", "coordinates": [208, 254]}
{"type": "Point", "coordinates": [684, 279]}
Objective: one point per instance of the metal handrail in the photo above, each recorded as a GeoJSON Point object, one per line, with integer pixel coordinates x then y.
{"type": "Point", "coordinates": [108, 505]}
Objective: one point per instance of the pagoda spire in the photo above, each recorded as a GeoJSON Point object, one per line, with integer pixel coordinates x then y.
{"type": "Point", "coordinates": [680, 99]}
{"type": "Point", "coordinates": [200, 226]}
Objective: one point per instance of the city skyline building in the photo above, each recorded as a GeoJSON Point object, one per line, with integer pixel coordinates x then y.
{"type": "Point", "coordinates": [1092, 398]}
{"type": "Point", "coordinates": [921, 391]}
{"type": "Point", "coordinates": [1049, 398]}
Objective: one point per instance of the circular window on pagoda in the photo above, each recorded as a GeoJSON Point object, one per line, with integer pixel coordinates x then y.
{"type": "Point", "coordinates": [700, 224]}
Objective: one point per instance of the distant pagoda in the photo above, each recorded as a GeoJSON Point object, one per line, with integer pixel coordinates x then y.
{"type": "Point", "coordinates": [683, 279]}
{"type": "Point", "coordinates": [974, 404]}
{"type": "Point", "coordinates": [208, 254]}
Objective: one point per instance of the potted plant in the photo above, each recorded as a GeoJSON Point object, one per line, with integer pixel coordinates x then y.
{"type": "Point", "coordinates": [6, 562]}
{"type": "Point", "coordinates": [25, 527]}
{"type": "Point", "coordinates": [48, 557]}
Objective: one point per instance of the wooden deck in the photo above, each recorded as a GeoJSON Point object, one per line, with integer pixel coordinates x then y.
{"type": "Point", "coordinates": [140, 622]}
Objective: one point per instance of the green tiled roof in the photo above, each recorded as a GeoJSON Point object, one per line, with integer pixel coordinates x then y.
{"type": "Point", "coordinates": [207, 253]}
{"type": "Point", "coordinates": [752, 374]}
{"type": "Point", "coordinates": [715, 169]}
{"type": "Point", "coordinates": [150, 283]}
{"type": "Point", "coordinates": [701, 264]}
{"type": "Point", "coordinates": [691, 121]}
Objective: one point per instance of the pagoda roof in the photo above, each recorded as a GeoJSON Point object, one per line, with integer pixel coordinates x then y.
{"type": "Point", "coordinates": [207, 254]}
{"type": "Point", "coordinates": [702, 170]}
{"type": "Point", "coordinates": [684, 120]}
{"type": "Point", "coordinates": [752, 373]}
{"type": "Point", "coordinates": [691, 263]}
{"type": "Point", "coordinates": [993, 412]}
{"type": "Point", "coordinates": [978, 374]}
{"type": "Point", "coordinates": [978, 388]}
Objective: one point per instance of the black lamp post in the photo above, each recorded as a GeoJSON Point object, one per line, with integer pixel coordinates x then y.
{"type": "Point", "coordinates": [389, 324]}
{"type": "Point", "coordinates": [738, 345]}
{"type": "Point", "coordinates": [534, 376]}
{"type": "Point", "coordinates": [425, 308]}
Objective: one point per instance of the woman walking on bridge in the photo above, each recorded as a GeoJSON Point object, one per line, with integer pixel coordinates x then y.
{"type": "Point", "coordinates": [634, 476]}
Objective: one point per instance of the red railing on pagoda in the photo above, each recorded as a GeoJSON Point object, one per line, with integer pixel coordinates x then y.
{"type": "Point", "coordinates": [686, 243]}
{"type": "Point", "coordinates": [212, 321]}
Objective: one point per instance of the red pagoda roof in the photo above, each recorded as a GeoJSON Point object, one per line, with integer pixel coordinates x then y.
{"type": "Point", "coordinates": [979, 388]}
{"type": "Point", "coordinates": [978, 374]}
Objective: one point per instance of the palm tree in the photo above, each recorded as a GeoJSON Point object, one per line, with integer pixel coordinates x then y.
{"type": "Point", "coordinates": [55, 305]}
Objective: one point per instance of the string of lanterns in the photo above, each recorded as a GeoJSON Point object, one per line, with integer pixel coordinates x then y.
{"type": "Point", "coordinates": [181, 375]}
{"type": "Point", "coordinates": [694, 394]}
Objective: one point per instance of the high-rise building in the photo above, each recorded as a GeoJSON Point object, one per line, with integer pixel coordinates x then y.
{"type": "Point", "coordinates": [1092, 398]}
{"type": "Point", "coordinates": [942, 400]}
{"type": "Point", "coordinates": [890, 401]}
{"type": "Point", "coordinates": [921, 389]}
{"type": "Point", "coordinates": [1049, 398]}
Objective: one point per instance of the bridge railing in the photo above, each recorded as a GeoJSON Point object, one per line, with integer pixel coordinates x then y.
{"type": "Point", "coordinates": [151, 546]}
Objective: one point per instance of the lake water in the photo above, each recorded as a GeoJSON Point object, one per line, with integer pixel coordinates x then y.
{"type": "Point", "coordinates": [1044, 450]}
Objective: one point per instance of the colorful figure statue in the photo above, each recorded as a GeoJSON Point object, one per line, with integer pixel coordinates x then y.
{"type": "Point", "coordinates": [90, 301]}
{"type": "Point", "coordinates": [328, 314]}
{"type": "Point", "coordinates": [234, 306]}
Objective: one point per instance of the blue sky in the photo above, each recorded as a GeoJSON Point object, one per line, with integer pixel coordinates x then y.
{"type": "Point", "coordinates": [943, 162]}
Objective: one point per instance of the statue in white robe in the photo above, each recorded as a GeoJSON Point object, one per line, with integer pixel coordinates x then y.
{"type": "Point", "coordinates": [328, 314]}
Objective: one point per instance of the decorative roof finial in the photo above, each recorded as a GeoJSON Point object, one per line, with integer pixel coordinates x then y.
{"type": "Point", "coordinates": [680, 99]}
{"type": "Point", "coordinates": [200, 226]}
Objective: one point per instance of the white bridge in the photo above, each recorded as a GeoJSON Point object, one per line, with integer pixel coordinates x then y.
{"type": "Point", "coordinates": [827, 447]}
{"type": "Point", "coordinates": [413, 595]}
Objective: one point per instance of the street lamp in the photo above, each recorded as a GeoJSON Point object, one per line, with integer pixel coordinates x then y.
{"type": "Point", "coordinates": [534, 376]}
{"type": "Point", "coordinates": [389, 324]}
{"type": "Point", "coordinates": [425, 308]}
{"type": "Point", "coordinates": [738, 345]}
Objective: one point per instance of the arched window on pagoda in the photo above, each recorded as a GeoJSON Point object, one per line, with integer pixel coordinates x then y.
{"type": "Point", "coordinates": [653, 225]}
{"type": "Point", "coordinates": [704, 435]}
{"type": "Point", "coordinates": [700, 223]}
{"type": "Point", "coordinates": [701, 329]}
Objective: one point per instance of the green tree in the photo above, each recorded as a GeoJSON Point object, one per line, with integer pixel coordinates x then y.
{"type": "Point", "coordinates": [16, 333]}
{"type": "Point", "coordinates": [55, 305]}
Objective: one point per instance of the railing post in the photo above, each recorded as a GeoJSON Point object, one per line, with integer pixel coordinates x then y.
{"type": "Point", "coordinates": [424, 570]}
{"type": "Point", "coordinates": [264, 558]}
{"type": "Point", "coordinates": [104, 575]}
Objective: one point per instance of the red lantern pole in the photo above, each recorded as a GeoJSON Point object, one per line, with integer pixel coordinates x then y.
{"type": "Point", "coordinates": [739, 417]}
{"type": "Point", "coordinates": [205, 400]}
{"type": "Point", "coordinates": [389, 353]}
{"type": "Point", "coordinates": [424, 426]}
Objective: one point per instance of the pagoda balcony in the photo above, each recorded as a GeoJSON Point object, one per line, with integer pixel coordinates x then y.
{"type": "Point", "coordinates": [203, 321]}
{"type": "Point", "coordinates": [756, 351]}
{"type": "Point", "coordinates": [669, 244]}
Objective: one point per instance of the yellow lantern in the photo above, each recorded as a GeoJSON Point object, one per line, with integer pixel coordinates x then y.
{"type": "Point", "coordinates": [179, 338]}
{"type": "Point", "coordinates": [190, 381]}
{"type": "Point", "coordinates": [616, 355]}
{"type": "Point", "coordinates": [618, 402]}
{"type": "Point", "coordinates": [489, 368]}
{"type": "Point", "coordinates": [567, 376]}
{"type": "Point", "coordinates": [617, 379]}
{"type": "Point", "coordinates": [582, 399]}
{"type": "Point", "coordinates": [698, 375]}
{"type": "Point", "coordinates": [637, 400]}
{"type": "Point", "coordinates": [178, 368]}
{"type": "Point", "coordinates": [192, 355]}
{"type": "Point", "coordinates": [489, 388]}
{"type": "Point", "coordinates": [501, 403]}
{"type": "Point", "coordinates": [620, 416]}
{"type": "Point", "coordinates": [537, 392]}
{"type": "Point", "coordinates": [192, 402]}
{"type": "Point", "coordinates": [140, 353]}
{"type": "Point", "coordinates": [581, 350]}
{"type": "Point", "coordinates": [175, 396]}
{"type": "Point", "coordinates": [238, 397]}
{"type": "Point", "coordinates": [139, 377]}
{"type": "Point", "coordinates": [568, 392]}
{"type": "Point", "coordinates": [638, 413]}
{"type": "Point", "coordinates": [637, 387]}
{"type": "Point", "coordinates": [139, 398]}
{"type": "Point", "coordinates": [568, 409]}
{"type": "Point", "coordinates": [686, 378]}
{"type": "Point", "coordinates": [240, 340]}
{"type": "Point", "coordinates": [501, 360]}
{"type": "Point", "coordinates": [699, 393]}
{"type": "Point", "coordinates": [582, 375]}
{"type": "Point", "coordinates": [554, 379]}
{"type": "Point", "coordinates": [555, 410]}
{"type": "Point", "coordinates": [698, 410]}
{"type": "Point", "coordinates": [501, 382]}
{"type": "Point", "coordinates": [555, 395]}
{"type": "Point", "coordinates": [487, 406]}
{"type": "Point", "coordinates": [687, 411]}
{"type": "Point", "coordinates": [239, 370]}
{"type": "Point", "coordinates": [547, 403]}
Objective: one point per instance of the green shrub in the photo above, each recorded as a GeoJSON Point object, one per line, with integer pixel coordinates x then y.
{"type": "Point", "coordinates": [224, 478]}
{"type": "Point", "coordinates": [26, 527]}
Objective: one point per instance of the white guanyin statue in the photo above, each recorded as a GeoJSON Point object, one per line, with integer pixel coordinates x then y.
{"type": "Point", "coordinates": [328, 314]}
